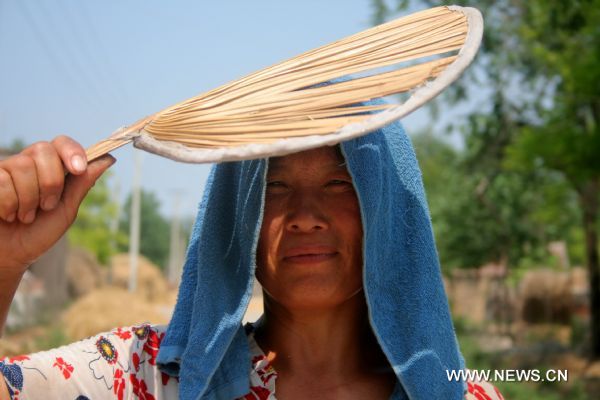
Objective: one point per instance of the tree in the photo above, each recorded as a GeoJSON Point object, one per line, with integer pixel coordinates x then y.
{"type": "Point", "coordinates": [507, 219]}
{"type": "Point", "coordinates": [564, 44]}
{"type": "Point", "coordinates": [154, 229]}
{"type": "Point", "coordinates": [16, 146]}
{"type": "Point", "coordinates": [540, 60]}
{"type": "Point", "coordinates": [92, 228]}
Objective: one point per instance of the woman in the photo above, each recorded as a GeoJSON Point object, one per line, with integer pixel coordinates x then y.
{"type": "Point", "coordinates": [339, 238]}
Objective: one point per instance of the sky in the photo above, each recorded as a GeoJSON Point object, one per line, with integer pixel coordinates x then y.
{"type": "Point", "coordinates": [86, 68]}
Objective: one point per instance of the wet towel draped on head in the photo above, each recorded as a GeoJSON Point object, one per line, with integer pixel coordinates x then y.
{"type": "Point", "coordinates": [205, 343]}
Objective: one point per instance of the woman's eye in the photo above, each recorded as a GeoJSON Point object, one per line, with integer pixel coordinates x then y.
{"type": "Point", "coordinates": [336, 182]}
{"type": "Point", "coordinates": [276, 186]}
{"type": "Point", "coordinates": [275, 183]}
{"type": "Point", "coordinates": [339, 185]}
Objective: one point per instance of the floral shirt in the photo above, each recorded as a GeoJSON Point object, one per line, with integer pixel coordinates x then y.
{"type": "Point", "coordinates": [121, 364]}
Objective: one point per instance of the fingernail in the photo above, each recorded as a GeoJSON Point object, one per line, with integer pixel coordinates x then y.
{"type": "Point", "coordinates": [29, 217]}
{"type": "Point", "coordinates": [49, 202]}
{"type": "Point", "coordinates": [110, 160]}
{"type": "Point", "coordinates": [78, 163]}
{"type": "Point", "coordinates": [11, 217]}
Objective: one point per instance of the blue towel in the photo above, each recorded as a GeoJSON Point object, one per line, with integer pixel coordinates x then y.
{"type": "Point", "coordinates": [205, 343]}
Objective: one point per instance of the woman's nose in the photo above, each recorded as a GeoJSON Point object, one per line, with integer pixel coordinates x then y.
{"type": "Point", "coordinates": [305, 215]}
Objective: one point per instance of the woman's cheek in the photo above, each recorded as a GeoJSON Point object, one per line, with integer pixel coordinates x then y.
{"type": "Point", "coordinates": [270, 235]}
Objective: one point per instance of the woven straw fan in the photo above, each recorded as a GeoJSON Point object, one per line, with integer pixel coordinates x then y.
{"type": "Point", "coordinates": [283, 109]}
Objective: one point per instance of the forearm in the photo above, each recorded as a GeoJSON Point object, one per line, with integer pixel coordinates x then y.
{"type": "Point", "coordinates": [9, 282]}
{"type": "Point", "coordinates": [4, 395]}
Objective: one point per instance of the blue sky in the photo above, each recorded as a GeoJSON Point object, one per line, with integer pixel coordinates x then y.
{"type": "Point", "coordinates": [85, 68]}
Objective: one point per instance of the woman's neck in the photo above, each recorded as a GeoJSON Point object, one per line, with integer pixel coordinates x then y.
{"type": "Point", "coordinates": [331, 342]}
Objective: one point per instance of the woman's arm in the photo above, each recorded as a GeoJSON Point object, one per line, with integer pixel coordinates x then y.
{"type": "Point", "coordinates": [9, 281]}
{"type": "Point", "coordinates": [38, 203]}
{"type": "Point", "coordinates": [3, 389]}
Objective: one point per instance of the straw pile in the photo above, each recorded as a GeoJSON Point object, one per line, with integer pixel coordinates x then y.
{"type": "Point", "coordinates": [151, 283]}
{"type": "Point", "coordinates": [107, 307]}
{"type": "Point", "coordinates": [546, 296]}
{"type": "Point", "coordinates": [104, 309]}
{"type": "Point", "coordinates": [84, 274]}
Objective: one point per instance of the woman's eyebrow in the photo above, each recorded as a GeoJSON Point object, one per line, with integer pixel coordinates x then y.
{"type": "Point", "coordinates": [274, 166]}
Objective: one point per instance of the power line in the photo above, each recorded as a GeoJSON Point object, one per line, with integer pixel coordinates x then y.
{"type": "Point", "coordinates": [135, 221]}
{"type": "Point", "coordinates": [58, 63]}
{"type": "Point", "coordinates": [91, 87]}
{"type": "Point", "coordinates": [79, 35]}
{"type": "Point", "coordinates": [95, 38]}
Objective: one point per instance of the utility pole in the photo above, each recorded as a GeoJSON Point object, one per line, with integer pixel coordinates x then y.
{"type": "Point", "coordinates": [114, 228]}
{"type": "Point", "coordinates": [175, 257]}
{"type": "Point", "coordinates": [134, 228]}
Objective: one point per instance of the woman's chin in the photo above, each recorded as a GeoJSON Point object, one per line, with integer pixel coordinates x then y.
{"type": "Point", "coordinates": [314, 296]}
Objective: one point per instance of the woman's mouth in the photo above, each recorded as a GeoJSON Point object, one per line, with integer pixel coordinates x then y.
{"type": "Point", "coordinates": [310, 254]}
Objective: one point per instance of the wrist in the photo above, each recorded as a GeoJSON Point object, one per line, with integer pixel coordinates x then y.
{"type": "Point", "coordinates": [12, 271]}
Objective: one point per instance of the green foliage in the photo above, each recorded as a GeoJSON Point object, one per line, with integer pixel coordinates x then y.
{"type": "Point", "coordinates": [382, 8]}
{"type": "Point", "coordinates": [52, 339]}
{"type": "Point", "coordinates": [476, 219]}
{"type": "Point", "coordinates": [527, 152]}
{"type": "Point", "coordinates": [154, 229]}
{"type": "Point", "coordinates": [532, 145]}
{"type": "Point", "coordinates": [580, 330]}
{"type": "Point", "coordinates": [477, 358]}
{"type": "Point", "coordinates": [541, 391]}
{"type": "Point", "coordinates": [16, 146]}
{"type": "Point", "coordinates": [92, 229]}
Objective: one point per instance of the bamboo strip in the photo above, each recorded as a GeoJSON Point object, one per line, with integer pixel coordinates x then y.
{"type": "Point", "coordinates": [286, 100]}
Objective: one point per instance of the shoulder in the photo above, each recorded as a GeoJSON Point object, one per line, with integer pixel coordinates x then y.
{"type": "Point", "coordinates": [116, 362]}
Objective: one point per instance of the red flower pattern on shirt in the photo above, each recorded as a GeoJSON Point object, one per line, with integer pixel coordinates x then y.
{"type": "Point", "coordinates": [498, 393]}
{"type": "Point", "coordinates": [135, 358]}
{"type": "Point", "coordinates": [164, 378]}
{"type": "Point", "coordinates": [17, 358]}
{"type": "Point", "coordinates": [64, 367]}
{"type": "Point", "coordinates": [267, 373]}
{"type": "Point", "coordinates": [258, 393]}
{"type": "Point", "coordinates": [123, 334]}
{"type": "Point", "coordinates": [119, 384]}
{"type": "Point", "coordinates": [478, 391]}
{"type": "Point", "coordinates": [140, 389]}
{"type": "Point", "coordinates": [152, 345]}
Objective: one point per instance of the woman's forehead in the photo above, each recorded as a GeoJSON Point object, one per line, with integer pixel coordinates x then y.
{"type": "Point", "coordinates": [330, 156]}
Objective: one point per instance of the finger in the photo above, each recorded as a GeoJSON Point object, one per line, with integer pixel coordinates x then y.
{"type": "Point", "coordinates": [71, 153]}
{"type": "Point", "coordinates": [9, 201]}
{"type": "Point", "coordinates": [50, 173]}
{"type": "Point", "coordinates": [21, 168]}
{"type": "Point", "coordinates": [76, 187]}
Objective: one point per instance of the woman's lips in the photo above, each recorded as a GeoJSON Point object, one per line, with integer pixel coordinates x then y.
{"type": "Point", "coordinates": [310, 258]}
{"type": "Point", "coordinates": [310, 254]}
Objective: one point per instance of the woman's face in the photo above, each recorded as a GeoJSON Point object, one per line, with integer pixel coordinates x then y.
{"type": "Point", "coordinates": [310, 247]}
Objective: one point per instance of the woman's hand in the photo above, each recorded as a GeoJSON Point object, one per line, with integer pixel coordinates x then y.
{"type": "Point", "coordinates": [38, 201]}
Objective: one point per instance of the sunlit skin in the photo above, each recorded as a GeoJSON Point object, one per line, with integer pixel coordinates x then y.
{"type": "Point", "coordinates": [38, 203]}
{"type": "Point", "coordinates": [309, 261]}
{"type": "Point", "coordinates": [315, 331]}
{"type": "Point", "coordinates": [310, 249]}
